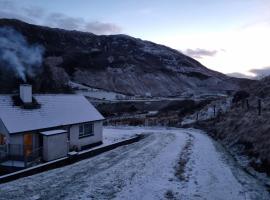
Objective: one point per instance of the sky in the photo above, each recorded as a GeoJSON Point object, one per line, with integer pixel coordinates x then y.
{"type": "Point", "coordinates": [230, 36]}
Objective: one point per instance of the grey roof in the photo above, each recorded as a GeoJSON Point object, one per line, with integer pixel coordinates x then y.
{"type": "Point", "coordinates": [56, 110]}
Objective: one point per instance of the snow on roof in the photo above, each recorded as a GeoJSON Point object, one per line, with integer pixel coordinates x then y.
{"type": "Point", "coordinates": [56, 110]}
{"type": "Point", "coordinates": [53, 132]}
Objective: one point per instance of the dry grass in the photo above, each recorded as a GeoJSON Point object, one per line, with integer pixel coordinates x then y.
{"type": "Point", "coordinates": [246, 130]}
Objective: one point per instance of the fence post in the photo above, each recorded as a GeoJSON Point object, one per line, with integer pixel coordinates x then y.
{"type": "Point", "coordinates": [214, 110]}
{"type": "Point", "coordinates": [197, 116]}
{"type": "Point", "coordinates": [243, 104]}
{"type": "Point", "coordinates": [247, 104]}
{"type": "Point", "coordinates": [259, 107]}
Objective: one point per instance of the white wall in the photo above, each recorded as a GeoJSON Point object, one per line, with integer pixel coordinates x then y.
{"type": "Point", "coordinates": [79, 142]}
{"type": "Point", "coordinates": [55, 146]}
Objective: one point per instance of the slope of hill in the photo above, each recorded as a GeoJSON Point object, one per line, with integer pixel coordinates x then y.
{"type": "Point", "coordinates": [117, 63]}
{"type": "Point", "coordinates": [243, 130]}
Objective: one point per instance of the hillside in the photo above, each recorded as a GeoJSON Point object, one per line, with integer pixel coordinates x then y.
{"type": "Point", "coordinates": [243, 130]}
{"type": "Point", "coordinates": [118, 63]}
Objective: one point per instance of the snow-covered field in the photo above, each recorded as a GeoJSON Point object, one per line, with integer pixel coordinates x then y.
{"type": "Point", "coordinates": [112, 135]}
{"type": "Point", "coordinates": [166, 164]}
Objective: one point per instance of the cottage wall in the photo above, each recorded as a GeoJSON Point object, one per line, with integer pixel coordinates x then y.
{"type": "Point", "coordinates": [76, 142]}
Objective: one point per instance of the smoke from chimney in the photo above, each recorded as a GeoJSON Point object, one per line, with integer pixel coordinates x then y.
{"type": "Point", "coordinates": [19, 56]}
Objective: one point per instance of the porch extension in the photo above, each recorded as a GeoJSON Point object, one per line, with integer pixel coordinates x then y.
{"type": "Point", "coordinates": [19, 156]}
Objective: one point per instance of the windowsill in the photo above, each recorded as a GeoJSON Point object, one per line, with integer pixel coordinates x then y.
{"type": "Point", "coordinates": [84, 136]}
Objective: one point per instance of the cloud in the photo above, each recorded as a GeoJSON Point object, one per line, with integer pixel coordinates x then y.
{"type": "Point", "coordinates": [240, 75]}
{"type": "Point", "coordinates": [59, 20]}
{"type": "Point", "coordinates": [7, 5]}
{"type": "Point", "coordinates": [5, 14]}
{"type": "Point", "coordinates": [200, 53]}
{"type": "Point", "coordinates": [256, 73]}
{"type": "Point", "coordinates": [10, 10]}
{"type": "Point", "coordinates": [260, 73]}
{"type": "Point", "coordinates": [37, 15]}
{"type": "Point", "coordinates": [102, 28]}
{"type": "Point", "coordinates": [34, 12]}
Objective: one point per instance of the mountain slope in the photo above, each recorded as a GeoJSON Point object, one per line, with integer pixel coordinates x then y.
{"type": "Point", "coordinates": [117, 63]}
{"type": "Point", "coordinates": [243, 130]}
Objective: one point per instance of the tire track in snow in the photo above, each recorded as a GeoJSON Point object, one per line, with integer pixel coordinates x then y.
{"type": "Point", "coordinates": [181, 169]}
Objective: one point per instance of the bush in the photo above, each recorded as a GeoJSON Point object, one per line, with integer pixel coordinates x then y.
{"type": "Point", "coordinates": [240, 95]}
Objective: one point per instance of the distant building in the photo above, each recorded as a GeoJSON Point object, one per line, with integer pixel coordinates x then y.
{"type": "Point", "coordinates": [45, 127]}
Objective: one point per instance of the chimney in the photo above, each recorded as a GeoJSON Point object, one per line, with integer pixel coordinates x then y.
{"type": "Point", "coordinates": [26, 93]}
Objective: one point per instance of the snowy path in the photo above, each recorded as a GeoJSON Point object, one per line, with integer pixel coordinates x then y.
{"type": "Point", "coordinates": [167, 164]}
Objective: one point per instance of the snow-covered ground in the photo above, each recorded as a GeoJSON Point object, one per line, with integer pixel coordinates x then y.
{"type": "Point", "coordinates": [112, 135]}
{"type": "Point", "coordinates": [207, 112]}
{"type": "Point", "coordinates": [95, 93]}
{"type": "Point", "coordinates": [166, 164]}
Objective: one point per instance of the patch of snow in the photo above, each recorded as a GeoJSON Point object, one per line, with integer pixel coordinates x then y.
{"type": "Point", "coordinates": [221, 106]}
{"type": "Point", "coordinates": [96, 93]}
{"type": "Point", "coordinates": [112, 135]}
{"type": "Point", "coordinates": [110, 59]}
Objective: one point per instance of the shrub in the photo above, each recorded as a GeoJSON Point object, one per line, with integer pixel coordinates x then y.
{"type": "Point", "coordinates": [240, 95]}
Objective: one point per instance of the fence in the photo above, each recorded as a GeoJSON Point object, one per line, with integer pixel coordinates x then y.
{"type": "Point", "coordinates": [255, 106]}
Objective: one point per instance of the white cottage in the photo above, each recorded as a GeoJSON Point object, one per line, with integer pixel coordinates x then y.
{"type": "Point", "coordinates": [45, 127]}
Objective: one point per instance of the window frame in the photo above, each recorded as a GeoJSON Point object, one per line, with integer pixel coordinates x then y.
{"type": "Point", "coordinates": [83, 128]}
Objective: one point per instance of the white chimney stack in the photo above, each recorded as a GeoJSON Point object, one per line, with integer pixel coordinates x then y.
{"type": "Point", "coordinates": [26, 93]}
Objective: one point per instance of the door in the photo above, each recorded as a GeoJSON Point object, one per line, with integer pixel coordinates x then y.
{"type": "Point", "coordinates": [28, 144]}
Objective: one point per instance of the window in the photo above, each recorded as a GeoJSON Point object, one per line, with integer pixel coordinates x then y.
{"type": "Point", "coordinates": [2, 139]}
{"type": "Point", "coordinates": [86, 130]}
